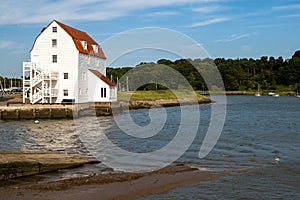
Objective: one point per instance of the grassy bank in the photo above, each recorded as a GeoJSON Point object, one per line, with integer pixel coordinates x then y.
{"type": "Point", "coordinates": [155, 95]}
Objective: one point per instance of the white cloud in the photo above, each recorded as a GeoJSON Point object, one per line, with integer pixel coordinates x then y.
{"type": "Point", "coordinates": [233, 37]}
{"type": "Point", "coordinates": [32, 11]}
{"type": "Point", "coordinates": [210, 9]}
{"type": "Point", "coordinates": [210, 21]}
{"type": "Point", "coordinates": [6, 44]}
{"type": "Point", "coordinates": [260, 26]}
{"type": "Point", "coordinates": [288, 7]}
{"type": "Point", "coordinates": [161, 14]}
{"type": "Point", "coordinates": [291, 16]}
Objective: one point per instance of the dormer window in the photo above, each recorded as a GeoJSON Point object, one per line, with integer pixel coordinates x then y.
{"type": "Point", "coordinates": [95, 47]}
{"type": "Point", "coordinates": [84, 45]}
{"type": "Point", "coordinates": [54, 29]}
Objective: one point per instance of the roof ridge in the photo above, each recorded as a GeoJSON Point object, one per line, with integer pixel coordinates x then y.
{"type": "Point", "coordinates": [73, 32]}
{"type": "Point", "coordinates": [62, 24]}
{"type": "Point", "coordinates": [78, 36]}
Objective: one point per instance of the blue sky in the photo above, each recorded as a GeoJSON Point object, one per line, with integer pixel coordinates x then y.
{"type": "Point", "coordinates": [225, 28]}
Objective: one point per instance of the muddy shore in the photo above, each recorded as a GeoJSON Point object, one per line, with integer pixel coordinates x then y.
{"type": "Point", "coordinates": [112, 186]}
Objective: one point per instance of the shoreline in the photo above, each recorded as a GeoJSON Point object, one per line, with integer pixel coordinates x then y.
{"type": "Point", "coordinates": [13, 109]}
{"type": "Point", "coordinates": [114, 185]}
{"type": "Point", "coordinates": [10, 109]}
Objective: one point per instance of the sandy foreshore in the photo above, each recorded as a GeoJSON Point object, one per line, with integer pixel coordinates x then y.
{"type": "Point", "coordinates": [111, 186]}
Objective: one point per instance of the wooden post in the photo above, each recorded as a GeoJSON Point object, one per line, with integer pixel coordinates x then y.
{"type": "Point", "coordinates": [127, 88]}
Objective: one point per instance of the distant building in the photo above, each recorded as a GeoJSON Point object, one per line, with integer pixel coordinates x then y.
{"type": "Point", "coordinates": [66, 65]}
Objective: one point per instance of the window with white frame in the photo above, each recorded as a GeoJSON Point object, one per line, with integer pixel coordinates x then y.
{"type": "Point", "coordinates": [54, 43]}
{"type": "Point", "coordinates": [66, 93]}
{"type": "Point", "coordinates": [54, 58]}
{"type": "Point", "coordinates": [103, 92]}
{"type": "Point", "coordinates": [54, 29]}
{"type": "Point", "coordinates": [66, 75]}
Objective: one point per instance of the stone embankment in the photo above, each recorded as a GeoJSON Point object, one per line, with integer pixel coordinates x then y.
{"type": "Point", "coordinates": [54, 111]}
{"type": "Point", "coordinates": [18, 164]}
{"type": "Point", "coordinates": [137, 104]}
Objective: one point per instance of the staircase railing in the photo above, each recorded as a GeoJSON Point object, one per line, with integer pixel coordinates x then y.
{"type": "Point", "coordinates": [40, 84]}
{"type": "Point", "coordinates": [37, 79]}
{"type": "Point", "coordinates": [37, 96]}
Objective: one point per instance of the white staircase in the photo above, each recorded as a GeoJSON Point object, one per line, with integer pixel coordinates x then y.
{"type": "Point", "coordinates": [37, 97]}
{"type": "Point", "coordinates": [37, 79]}
{"type": "Point", "coordinates": [40, 84]}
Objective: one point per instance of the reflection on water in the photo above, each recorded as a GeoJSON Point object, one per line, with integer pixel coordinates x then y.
{"type": "Point", "coordinates": [256, 130]}
{"type": "Point", "coordinates": [48, 135]}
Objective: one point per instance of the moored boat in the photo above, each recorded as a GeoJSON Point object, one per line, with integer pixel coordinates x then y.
{"type": "Point", "coordinates": [271, 94]}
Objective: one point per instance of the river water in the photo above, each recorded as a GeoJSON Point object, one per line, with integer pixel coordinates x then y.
{"type": "Point", "coordinates": [256, 130]}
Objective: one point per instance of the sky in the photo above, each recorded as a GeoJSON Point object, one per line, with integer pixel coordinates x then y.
{"type": "Point", "coordinates": [224, 28]}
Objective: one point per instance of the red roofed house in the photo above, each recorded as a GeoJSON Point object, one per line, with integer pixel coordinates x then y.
{"type": "Point", "coordinates": [66, 65]}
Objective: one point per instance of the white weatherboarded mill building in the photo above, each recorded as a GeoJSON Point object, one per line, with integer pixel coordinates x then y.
{"type": "Point", "coordinates": [66, 65]}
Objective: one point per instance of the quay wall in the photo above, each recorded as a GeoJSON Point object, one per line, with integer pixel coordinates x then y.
{"type": "Point", "coordinates": [54, 111]}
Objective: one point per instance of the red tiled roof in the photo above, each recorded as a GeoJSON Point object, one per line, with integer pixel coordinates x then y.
{"type": "Point", "coordinates": [102, 77]}
{"type": "Point", "coordinates": [79, 36]}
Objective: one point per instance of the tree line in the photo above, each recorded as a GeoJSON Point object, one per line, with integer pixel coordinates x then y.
{"type": "Point", "coordinates": [269, 73]}
{"type": "Point", "coordinates": [10, 82]}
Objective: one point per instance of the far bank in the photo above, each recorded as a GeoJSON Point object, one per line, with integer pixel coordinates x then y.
{"type": "Point", "coordinates": [12, 109]}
